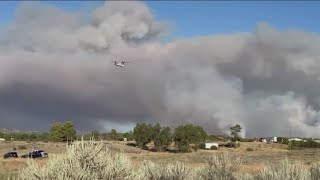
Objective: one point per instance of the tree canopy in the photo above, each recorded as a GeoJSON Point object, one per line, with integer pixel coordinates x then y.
{"type": "Point", "coordinates": [62, 132]}
{"type": "Point", "coordinates": [161, 137]}
{"type": "Point", "coordinates": [142, 134]}
{"type": "Point", "coordinates": [189, 134]}
{"type": "Point", "coordinates": [234, 131]}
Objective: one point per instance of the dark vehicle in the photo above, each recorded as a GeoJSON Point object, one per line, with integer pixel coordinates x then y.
{"type": "Point", "coordinates": [10, 155]}
{"type": "Point", "coordinates": [28, 155]}
{"type": "Point", "coordinates": [36, 154]}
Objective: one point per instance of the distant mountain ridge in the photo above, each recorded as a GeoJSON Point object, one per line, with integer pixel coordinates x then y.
{"type": "Point", "coordinates": [12, 130]}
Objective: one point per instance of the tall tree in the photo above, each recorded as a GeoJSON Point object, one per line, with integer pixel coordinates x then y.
{"type": "Point", "coordinates": [70, 133]}
{"type": "Point", "coordinates": [60, 132]}
{"type": "Point", "coordinates": [234, 131]}
{"type": "Point", "coordinates": [113, 134]}
{"type": "Point", "coordinates": [56, 132]}
{"type": "Point", "coordinates": [189, 134]}
{"type": "Point", "coordinates": [161, 137]}
{"type": "Point", "coordinates": [142, 134]}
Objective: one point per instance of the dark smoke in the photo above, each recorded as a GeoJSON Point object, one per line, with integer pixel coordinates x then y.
{"type": "Point", "coordinates": [55, 66]}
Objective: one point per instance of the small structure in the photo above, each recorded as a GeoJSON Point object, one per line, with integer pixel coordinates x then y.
{"type": "Point", "coordinates": [264, 140]}
{"type": "Point", "coordinates": [272, 139]}
{"type": "Point", "coordinates": [295, 139]}
{"type": "Point", "coordinates": [2, 139]}
{"type": "Point", "coordinates": [268, 139]}
{"type": "Point", "coordinates": [317, 140]}
{"type": "Point", "coordinates": [209, 145]}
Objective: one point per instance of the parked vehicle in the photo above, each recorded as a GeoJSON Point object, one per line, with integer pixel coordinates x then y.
{"type": "Point", "coordinates": [28, 155]}
{"type": "Point", "coordinates": [44, 154]}
{"type": "Point", "coordinates": [10, 155]}
{"type": "Point", "coordinates": [36, 154]}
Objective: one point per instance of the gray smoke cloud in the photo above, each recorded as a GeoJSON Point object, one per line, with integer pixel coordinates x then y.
{"type": "Point", "coordinates": [57, 65]}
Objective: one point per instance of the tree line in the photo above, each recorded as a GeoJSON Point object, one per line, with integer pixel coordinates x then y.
{"type": "Point", "coordinates": [184, 137]}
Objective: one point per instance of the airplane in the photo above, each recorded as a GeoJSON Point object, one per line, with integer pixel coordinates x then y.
{"type": "Point", "coordinates": [120, 64]}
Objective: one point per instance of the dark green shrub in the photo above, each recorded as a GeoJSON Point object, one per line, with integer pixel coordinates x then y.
{"type": "Point", "coordinates": [249, 149]}
{"type": "Point", "coordinates": [214, 148]}
{"type": "Point", "coordinates": [195, 147]}
{"type": "Point", "coordinates": [184, 149]}
{"type": "Point", "coordinates": [202, 146]}
{"type": "Point", "coordinates": [233, 144]}
{"type": "Point", "coordinates": [295, 145]}
{"type": "Point", "coordinates": [283, 140]}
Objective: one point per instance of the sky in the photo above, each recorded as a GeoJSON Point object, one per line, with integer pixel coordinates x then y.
{"type": "Point", "coordinates": [214, 64]}
{"type": "Point", "coordinates": [196, 18]}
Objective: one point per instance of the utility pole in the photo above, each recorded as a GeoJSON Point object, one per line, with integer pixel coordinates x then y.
{"type": "Point", "coordinates": [289, 139]}
{"type": "Point", "coordinates": [290, 131]}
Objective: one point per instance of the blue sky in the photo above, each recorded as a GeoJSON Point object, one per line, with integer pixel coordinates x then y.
{"type": "Point", "coordinates": [191, 18]}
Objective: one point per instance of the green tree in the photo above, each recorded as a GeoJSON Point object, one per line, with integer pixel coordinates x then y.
{"type": "Point", "coordinates": [70, 133]}
{"type": "Point", "coordinates": [189, 134]}
{"type": "Point", "coordinates": [56, 132]}
{"type": "Point", "coordinates": [32, 137]}
{"type": "Point", "coordinates": [2, 135]}
{"type": "Point", "coordinates": [113, 134]}
{"type": "Point", "coordinates": [234, 131]}
{"type": "Point", "coordinates": [44, 136]}
{"type": "Point", "coordinates": [142, 134]}
{"type": "Point", "coordinates": [128, 135]}
{"type": "Point", "coordinates": [60, 132]}
{"type": "Point", "coordinates": [161, 137]}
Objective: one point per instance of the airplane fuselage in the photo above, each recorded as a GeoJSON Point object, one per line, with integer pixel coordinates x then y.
{"type": "Point", "coordinates": [119, 64]}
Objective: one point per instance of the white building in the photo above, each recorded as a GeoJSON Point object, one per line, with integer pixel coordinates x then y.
{"type": "Point", "coordinates": [269, 139]}
{"type": "Point", "coordinates": [317, 140]}
{"type": "Point", "coordinates": [209, 145]}
{"type": "Point", "coordinates": [295, 139]}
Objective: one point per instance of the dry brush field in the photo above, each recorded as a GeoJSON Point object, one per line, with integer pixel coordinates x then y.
{"type": "Point", "coordinates": [253, 161]}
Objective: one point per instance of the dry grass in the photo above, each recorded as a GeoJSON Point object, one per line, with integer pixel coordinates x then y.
{"type": "Point", "coordinates": [12, 166]}
{"type": "Point", "coordinates": [252, 161]}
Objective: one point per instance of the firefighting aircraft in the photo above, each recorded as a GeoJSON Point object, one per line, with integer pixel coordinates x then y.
{"type": "Point", "coordinates": [120, 64]}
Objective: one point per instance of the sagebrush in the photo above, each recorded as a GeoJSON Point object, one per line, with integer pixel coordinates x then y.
{"type": "Point", "coordinates": [91, 160]}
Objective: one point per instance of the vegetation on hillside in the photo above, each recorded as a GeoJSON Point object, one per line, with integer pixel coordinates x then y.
{"type": "Point", "coordinates": [23, 136]}
{"type": "Point", "coordinates": [184, 137]}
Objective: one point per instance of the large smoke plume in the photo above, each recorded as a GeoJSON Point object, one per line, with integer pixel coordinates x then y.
{"type": "Point", "coordinates": [57, 65]}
